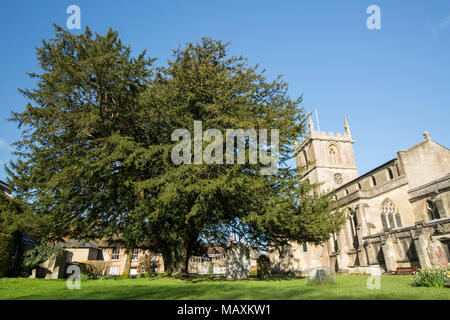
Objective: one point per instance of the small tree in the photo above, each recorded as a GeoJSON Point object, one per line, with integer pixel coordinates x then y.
{"type": "Point", "coordinates": [263, 267]}
{"type": "Point", "coordinates": [6, 250]}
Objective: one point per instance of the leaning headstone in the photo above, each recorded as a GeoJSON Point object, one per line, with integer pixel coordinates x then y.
{"type": "Point", "coordinates": [55, 266]}
{"type": "Point", "coordinates": [238, 262]}
{"type": "Point", "coordinates": [263, 267]}
{"type": "Point", "coordinates": [437, 254]}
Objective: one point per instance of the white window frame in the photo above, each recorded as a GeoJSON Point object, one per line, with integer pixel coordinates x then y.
{"type": "Point", "coordinates": [135, 255]}
{"type": "Point", "coordinates": [113, 271]}
{"type": "Point", "coordinates": [117, 255]}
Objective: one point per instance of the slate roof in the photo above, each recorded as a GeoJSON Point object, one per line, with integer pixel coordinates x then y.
{"type": "Point", "coordinates": [77, 244]}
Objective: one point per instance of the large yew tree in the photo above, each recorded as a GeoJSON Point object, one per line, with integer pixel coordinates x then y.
{"type": "Point", "coordinates": [81, 141]}
{"type": "Point", "coordinates": [95, 157]}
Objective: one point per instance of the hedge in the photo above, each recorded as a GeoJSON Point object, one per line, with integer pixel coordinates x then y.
{"type": "Point", "coordinates": [6, 251]}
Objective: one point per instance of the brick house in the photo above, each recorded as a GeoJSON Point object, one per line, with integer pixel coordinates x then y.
{"type": "Point", "coordinates": [201, 264]}
{"type": "Point", "coordinates": [91, 250]}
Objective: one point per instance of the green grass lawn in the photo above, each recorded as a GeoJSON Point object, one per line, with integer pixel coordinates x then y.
{"type": "Point", "coordinates": [346, 287]}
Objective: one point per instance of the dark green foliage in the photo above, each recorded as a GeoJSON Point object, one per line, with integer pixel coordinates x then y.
{"type": "Point", "coordinates": [15, 216]}
{"type": "Point", "coordinates": [210, 201]}
{"type": "Point", "coordinates": [95, 153]}
{"type": "Point", "coordinates": [109, 277]}
{"type": "Point", "coordinates": [83, 139]}
{"type": "Point", "coordinates": [263, 267]}
{"type": "Point", "coordinates": [298, 214]}
{"type": "Point", "coordinates": [38, 255]}
{"type": "Point", "coordinates": [6, 251]}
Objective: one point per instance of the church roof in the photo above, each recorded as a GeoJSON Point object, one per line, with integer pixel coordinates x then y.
{"type": "Point", "coordinates": [365, 175]}
{"type": "Point", "coordinates": [427, 139]}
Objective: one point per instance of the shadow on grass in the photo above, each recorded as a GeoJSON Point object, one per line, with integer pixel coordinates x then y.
{"type": "Point", "coordinates": [218, 278]}
{"type": "Point", "coordinates": [199, 288]}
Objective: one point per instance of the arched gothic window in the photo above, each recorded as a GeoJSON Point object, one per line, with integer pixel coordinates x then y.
{"type": "Point", "coordinates": [306, 157]}
{"type": "Point", "coordinates": [432, 210]}
{"type": "Point", "coordinates": [333, 154]}
{"type": "Point", "coordinates": [353, 221]}
{"type": "Point", "coordinates": [393, 216]}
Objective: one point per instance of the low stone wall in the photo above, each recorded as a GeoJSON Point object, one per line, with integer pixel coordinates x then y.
{"type": "Point", "coordinates": [203, 267]}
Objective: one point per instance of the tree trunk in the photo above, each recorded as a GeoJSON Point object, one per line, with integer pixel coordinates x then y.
{"type": "Point", "coordinates": [126, 269]}
{"type": "Point", "coordinates": [187, 255]}
{"type": "Point", "coordinates": [168, 261]}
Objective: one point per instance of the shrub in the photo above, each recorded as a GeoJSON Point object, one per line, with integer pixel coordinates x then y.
{"type": "Point", "coordinates": [146, 266]}
{"type": "Point", "coordinates": [109, 277]}
{"type": "Point", "coordinates": [143, 275]}
{"type": "Point", "coordinates": [96, 268]}
{"type": "Point", "coordinates": [84, 277]}
{"type": "Point", "coordinates": [263, 267]}
{"type": "Point", "coordinates": [431, 277]}
{"type": "Point", "coordinates": [6, 251]}
{"type": "Point", "coordinates": [38, 255]}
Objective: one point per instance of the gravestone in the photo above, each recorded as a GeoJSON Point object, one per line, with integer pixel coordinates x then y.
{"type": "Point", "coordinates": [238, 262]}
{"type": "Point", "coordinates": [263, 267]}
{"type": "Point", "coordinates": [438, 257]}
{"type": "Point", "coordinates": [54, 267]}
{"type": "Point", "coordinates": [321, 275]}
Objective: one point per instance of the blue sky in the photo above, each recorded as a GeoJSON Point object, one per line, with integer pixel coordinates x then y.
{"type": "Point", "coordinates": [393, 83]}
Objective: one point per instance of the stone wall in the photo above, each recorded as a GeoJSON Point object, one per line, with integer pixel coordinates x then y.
{"type": "Point", "coordinates": [424, 244]}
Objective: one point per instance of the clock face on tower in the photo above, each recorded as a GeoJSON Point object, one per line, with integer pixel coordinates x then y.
{"type": "Point", "coordinates": [337, 178]}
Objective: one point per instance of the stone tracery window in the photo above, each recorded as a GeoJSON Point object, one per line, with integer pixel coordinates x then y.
{"type": "Point", "coordinates": [389, 211]}
{"type": "Point", "coordinates": [353, 225]}
{"type": "Point", "coordinates": [338, 178]}
{"type": "Point", "coordinates": [384, 221]}
{"type": "Point", "coordinates": [305, 157]}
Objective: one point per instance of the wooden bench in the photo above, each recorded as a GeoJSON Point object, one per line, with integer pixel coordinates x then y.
{"type": "Point", "coordinates": [405, 270]}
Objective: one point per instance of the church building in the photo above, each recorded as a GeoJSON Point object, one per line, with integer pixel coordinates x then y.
{"type": "Point", "coordinates": [398, 213]}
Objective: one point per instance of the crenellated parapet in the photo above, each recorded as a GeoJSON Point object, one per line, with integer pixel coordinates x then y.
{"type": "Point", "coordinates": [325, 136]}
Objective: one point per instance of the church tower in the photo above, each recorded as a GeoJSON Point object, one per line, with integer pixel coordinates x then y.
{"type": "Point", "coordinates": [327, 158]}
